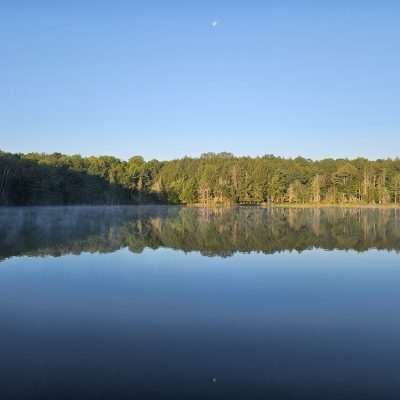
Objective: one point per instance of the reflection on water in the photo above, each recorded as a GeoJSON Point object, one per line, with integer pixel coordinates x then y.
{"type": "Point", "coordinates": [223, 232]}
{"type": "Point", "coordinates": [133, 318]}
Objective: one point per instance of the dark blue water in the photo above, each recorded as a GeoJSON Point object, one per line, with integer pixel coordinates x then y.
{"type": "Point", "coordinates": [88, 313]}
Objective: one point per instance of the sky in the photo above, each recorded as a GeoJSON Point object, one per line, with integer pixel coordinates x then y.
{"type": "Point", "coordinates": [165, 79]}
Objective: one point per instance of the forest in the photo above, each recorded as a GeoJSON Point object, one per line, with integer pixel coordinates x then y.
{"type": "Point", "coordinates": [213, 179]}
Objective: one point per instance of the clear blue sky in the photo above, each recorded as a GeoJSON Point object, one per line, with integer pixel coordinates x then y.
{"type": "Point", "coordinates": [156, 78]}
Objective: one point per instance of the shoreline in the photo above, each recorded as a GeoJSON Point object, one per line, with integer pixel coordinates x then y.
{"type": "Point", "coordinates": [305, 205]}
{"type": "Point", "coordinates": [310, 205]}
{"type": "Point", "coordinates": [214, 206]}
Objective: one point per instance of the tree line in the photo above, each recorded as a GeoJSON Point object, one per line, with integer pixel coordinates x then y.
{"type": "Point", "coordinates": [209, 180]}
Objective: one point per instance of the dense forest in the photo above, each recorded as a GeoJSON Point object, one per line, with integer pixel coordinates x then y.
{"type": "Point", "coordinates": [212, 231]}
{"type": "Point", "coordinates": [209, 180]}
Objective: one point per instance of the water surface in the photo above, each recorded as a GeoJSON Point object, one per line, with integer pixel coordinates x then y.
{"type": "Point", "coordinates": [170, 302]}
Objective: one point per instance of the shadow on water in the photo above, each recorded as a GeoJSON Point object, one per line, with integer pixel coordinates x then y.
{"type": "Point", "coordinates": [42, 231]}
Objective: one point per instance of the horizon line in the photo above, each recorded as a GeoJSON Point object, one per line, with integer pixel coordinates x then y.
{"type": "Point", "coordinates": [204, 155]}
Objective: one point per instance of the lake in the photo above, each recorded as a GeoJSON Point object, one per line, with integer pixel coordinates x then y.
{"type": "Point", "coordinates": [173, 302]}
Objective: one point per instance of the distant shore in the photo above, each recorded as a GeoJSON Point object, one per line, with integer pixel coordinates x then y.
{"type": "Point", "coordinates": [305, 205]}
{"type": "Point", "coordinates": [345, 205]}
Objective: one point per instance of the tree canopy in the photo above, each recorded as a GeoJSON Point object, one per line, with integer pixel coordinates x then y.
{"type": "Point", "coordinates": [209, 180]}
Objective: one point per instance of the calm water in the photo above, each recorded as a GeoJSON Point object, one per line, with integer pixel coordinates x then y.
{"type": "Point", "coordinates": [179, 303]}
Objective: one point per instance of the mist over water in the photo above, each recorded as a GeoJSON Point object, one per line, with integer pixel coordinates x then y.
{"type": "Point", "coordinates": [172, 302]}
{"type": "Point", "coordinates": [214, 232]}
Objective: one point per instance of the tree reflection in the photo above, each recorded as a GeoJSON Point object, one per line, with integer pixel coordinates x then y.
{"type": "Point", "coordinates": [213, 232]}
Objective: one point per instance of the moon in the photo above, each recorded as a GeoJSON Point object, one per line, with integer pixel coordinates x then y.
{"type": "Point", "coordinates": [214, 24]}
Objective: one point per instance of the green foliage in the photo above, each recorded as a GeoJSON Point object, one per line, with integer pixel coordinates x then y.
{"type": "Point", "coordinates": [212, 179]}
